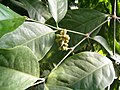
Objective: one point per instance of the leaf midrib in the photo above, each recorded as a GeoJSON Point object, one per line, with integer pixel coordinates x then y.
{"type": "Point", "coordinates": [19, 17]}
{"type": "Point", "coordinates": [36, 38]}
{"type": "Point", "coordinates": [27, 41]}
{"type": "Point", "coordinates": [33, 7]}
{"type": "Point", "coordinates": [58, 10]}
{"type": "Point", "coordinates": [91, 73]}
{"type": "Point", "coordinates": [20, 72]}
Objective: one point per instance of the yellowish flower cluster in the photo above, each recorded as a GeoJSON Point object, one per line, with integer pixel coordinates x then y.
{"type": "Point", "coordinates": [63, 39]}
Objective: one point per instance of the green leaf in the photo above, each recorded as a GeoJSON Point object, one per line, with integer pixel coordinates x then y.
{"type": "Point", "coordinates": [103, 42]}
{"type": "Point", "coordinates": [58, 9]}
{"type": "Point", "coordinates": [83, 71]}
{"type": "Point", "coordinates": [39, 38]}
{"type": "Point", "coordinates": [19, 68]}
{"type": "Point", "coordinates": [81, 20]}
{"type": "Point", "coordinates": [9, 20]}
{"type": "Point", "coordinates": [36, 9]}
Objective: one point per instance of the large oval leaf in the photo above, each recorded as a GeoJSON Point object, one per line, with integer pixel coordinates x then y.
{"type": "Point", "coordinates": [36, 9]}
{"type": "Point", "coordinates": [81, 20]}
{"type": "Point", "coordinates": [19, 68]}
{"type": "Point", "coordinates": [39, 38]}
{"type": "Point", "coordinates": [9, 20]}
{"type": "Point", "coordinates": [83, 71]}
{"type": "Point", "coordinates": [58, 9]}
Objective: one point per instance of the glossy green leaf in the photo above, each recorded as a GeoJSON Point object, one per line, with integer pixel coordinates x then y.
{"type": "Point", "coordinates": [58, 9]}
{"type": "Point", "coordinates": [36, 9]}
{"type": "Point", "coordinates": [39, 38]}
{"type": "Point", "coordinates": [19, 68]}
{"type": "Point", "coordinates": [83, 71]}
{"type": "Point", "coordinates": [81, 20]}
{"type": "Point", "coordinates": [9, 20]}
{"type": "Point", "coordinates": [103, 42]}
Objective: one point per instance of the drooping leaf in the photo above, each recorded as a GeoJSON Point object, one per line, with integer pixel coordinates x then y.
{"type": "Point", "coordinates": [9, 20]}
{"type": "Point", "coordinates": [103, 42]}
{"type": "Point", "coordinates": [83, 71]}
{"type": "Point", "coordinates": [58, 9]}
{"type": "Point", "coordinates": [36, 9]}
{"type": "Point", "coordinates": [19, 68]}
{"type": "Point", "coordinates": [17, 3]}
{"type": "Point", "coordinates": [39, 38]}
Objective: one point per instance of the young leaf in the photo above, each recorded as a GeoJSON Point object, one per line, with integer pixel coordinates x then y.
{"type": "Point", "coordinates": [83, 71]}
{"type": "Point", "coordinates": [9, 20]}
{"type": "Point", "coordinates": [39, 38]}
{"type": "Point", "coordinates": [36, 9]}
{"type": "Point", "coordinates": [58, 9]}
{"type": "Point", "coordinates": [103, 42]}
{"type": "Point", "coordinates": [19, 68]}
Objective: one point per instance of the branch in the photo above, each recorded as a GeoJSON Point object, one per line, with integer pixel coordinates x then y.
{"type": "Point", "coordinates": [99, 25]}
{"type": "Point", "coordinates": [118, 20]}
{"type": "Point", "coordinates": [72, 49]}
{"type": "Point", "coordinates": [40, 80]}
{"type": "Point", "coordinates": [114, 16]}
{"type": "Point", "coordinates": [57, 28]}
